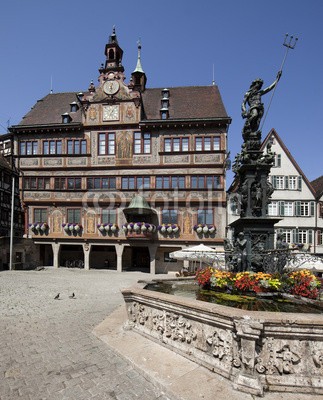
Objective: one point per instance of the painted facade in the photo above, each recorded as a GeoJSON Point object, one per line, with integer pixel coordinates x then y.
{"type": "Point", "coordinates": [121, 175]}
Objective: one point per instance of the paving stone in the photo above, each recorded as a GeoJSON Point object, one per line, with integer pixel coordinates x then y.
{"type": "Point", "coordinates": [47, 348]}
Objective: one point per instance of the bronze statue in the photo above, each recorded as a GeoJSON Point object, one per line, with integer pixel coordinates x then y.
{"type": "Point", "coordinates": [256, 107]}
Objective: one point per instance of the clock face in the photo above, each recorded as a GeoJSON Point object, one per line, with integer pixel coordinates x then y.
{"type": "Point", "coordinates": [111, 87]}
{"type": "Point", "coordinates": [111, 113]}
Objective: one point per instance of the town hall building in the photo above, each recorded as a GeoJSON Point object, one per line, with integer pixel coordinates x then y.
{"type": "Point", "coordinates": [121, 175]}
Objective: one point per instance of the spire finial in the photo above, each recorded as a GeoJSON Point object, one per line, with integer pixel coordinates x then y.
{"type": "Point", "coordinates": [113, 36]}
{"type": "Point", "coordinates": [138, 66]}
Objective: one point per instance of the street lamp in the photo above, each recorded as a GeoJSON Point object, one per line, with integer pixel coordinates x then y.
{"type": "Point", "coordinates": [11, 219]}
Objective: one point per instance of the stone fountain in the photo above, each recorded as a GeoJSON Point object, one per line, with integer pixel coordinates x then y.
{"type": "Point", "coordinates": [254, 230]}
{"type": "Point", "coordinates": [257, 351]}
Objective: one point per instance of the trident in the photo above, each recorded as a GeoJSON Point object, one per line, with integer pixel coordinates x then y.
{"type": "Point", "coordinates": [289, 44]}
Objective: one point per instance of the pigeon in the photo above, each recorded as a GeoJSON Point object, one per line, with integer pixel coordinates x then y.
{"type": "Point", "coordinates": [56, 297]}
{"type": "Point", "coordinates": [72, 296]}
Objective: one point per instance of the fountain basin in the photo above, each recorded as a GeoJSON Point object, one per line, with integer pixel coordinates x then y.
{"type": "Point", "coordinates": [257, 351]}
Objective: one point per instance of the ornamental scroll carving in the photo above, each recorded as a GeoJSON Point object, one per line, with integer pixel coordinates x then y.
{"type": "Point", "coordinates": [174, 326]}
{"type": "Point", "coordinates": [221, 344]}
{"type": "Point", "coordinates": [138, 313]}
{"type": "Point", "coordinates": [277, 360]}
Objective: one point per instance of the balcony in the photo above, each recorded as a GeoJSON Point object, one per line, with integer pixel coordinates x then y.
{"type": "Point", "coordinates": [139, 230]}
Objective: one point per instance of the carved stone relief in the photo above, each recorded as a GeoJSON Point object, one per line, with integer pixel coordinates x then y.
{"type": "Point", "coordinates": [173, 326]}
{"type": "Point", "coordinates": [53, 161]}
{"type": "Point", "coordinates": [221, 345]}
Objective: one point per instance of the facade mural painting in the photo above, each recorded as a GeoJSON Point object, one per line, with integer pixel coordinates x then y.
{"type": "Point", "coordinates": [111, 142]}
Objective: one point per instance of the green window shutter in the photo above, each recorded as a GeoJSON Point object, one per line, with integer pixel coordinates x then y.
{"type": "Point", "coordinates": [273, 181]}
{"type": "Point", "coordinates": [297, 208]}
{"type": "Point", "coordinates": [279, 158]}
{"type": "Point", "coordinates": [281, 205]}
{"type": "Point", "coordinates": [286, 182]}
{"type": "Point", "coordinates": [299, 183]}
{"type": "Point", "coordinates": [312, 208]}
{"type": "Point", "coordinates": [294, 235]}
{"type": "Point", "coordinates": [310, 236]}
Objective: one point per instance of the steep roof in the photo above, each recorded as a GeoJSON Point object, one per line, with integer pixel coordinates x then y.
{"type": "Point", "coordinates": [317, 185]}
{"type": "Point", "coordinates": [287, 152]}
{"type": "Point", "coordinates": [187, 102]}
{"type": "Point", "coordinates": [190, 102]}
{"type": "Point", "coordinates": [50, 108]}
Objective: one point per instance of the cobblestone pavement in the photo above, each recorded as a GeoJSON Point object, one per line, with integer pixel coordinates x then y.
{"type": "Point", "coordinates": [47, 348]}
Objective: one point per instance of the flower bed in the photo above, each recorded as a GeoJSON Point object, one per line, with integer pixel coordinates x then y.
{"type": "Point", "coordinates": [301, 283]}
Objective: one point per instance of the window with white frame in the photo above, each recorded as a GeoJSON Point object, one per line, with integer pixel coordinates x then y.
{"type": "Point", "coordinates": [304, 208]}
{"type": "Point", "coordinates": [207, 143]}
{"type": "Point", "coordinates": [273, 208]}
{"type": "Point", "coordinates": [278, 182]}
{"type": "Point", "coordinates": [176, 144]}
{"type": "Point", "coordinates": [301, 236]}
{"type": "Point", "coordinates": [107, 143]}
{"type": "Point", "coordinates": [287, 235]}
{"type": "Point", "coordinates": [288, 209]}
{"type": "Point", "coordinates": [292, 183]}
{"type": "Point", "coordinates": [142, 143]}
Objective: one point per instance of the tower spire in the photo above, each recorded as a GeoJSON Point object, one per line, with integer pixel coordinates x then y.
{"type": "Point", "coordinates": [138, 76]}
{"type": "Point", "coordinates": [139, 66]}
{"type": "Point", "coordinates": [113, 53]}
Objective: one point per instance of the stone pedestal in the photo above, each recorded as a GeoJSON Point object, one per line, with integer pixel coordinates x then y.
{"type": "Point", "coordinates": [259, 233]}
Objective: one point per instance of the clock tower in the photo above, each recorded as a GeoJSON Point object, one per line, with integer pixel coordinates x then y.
{"type": "Point", "coordinates": [113, 53]}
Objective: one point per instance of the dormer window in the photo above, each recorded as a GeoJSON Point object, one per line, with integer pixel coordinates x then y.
{"type": "Point", "coordinates": [66, 118]}
{"type": "Point", "coordinates": [165, 103]}
{"type": "Point", "coordinates": [164, 111]}
{"type": "Point", "coordinates": [73, 106]}
{"type": "Point", "coordinates": [165, 93]}
{"type": "Point", "coordinates": [164, 114]}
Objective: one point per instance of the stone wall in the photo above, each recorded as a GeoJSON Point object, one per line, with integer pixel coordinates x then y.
{"type": "Point", "coordinates": [257, 351]}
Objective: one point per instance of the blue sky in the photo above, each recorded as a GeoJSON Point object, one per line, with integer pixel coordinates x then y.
{"type": "Point", "coordinates": [62, 42]}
